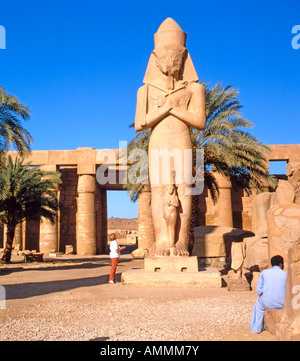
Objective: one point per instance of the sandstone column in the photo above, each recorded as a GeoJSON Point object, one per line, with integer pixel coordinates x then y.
{"type": "Point", "coordinates": [18, 237]}
{"type": "Point", "coordinates": [48, 236]}
{"type": "Point", "coordinates": [146, 237]}
{"type": "Point", "coordinates": [48, 231]}
{"type": "Point", "coordinates": [85, 219]}
{"type": "Point", "coordinates": [223, 210]}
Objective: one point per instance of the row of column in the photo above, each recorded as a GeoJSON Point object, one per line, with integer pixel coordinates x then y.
{"type": "Point", "coordinates": [85, 221]}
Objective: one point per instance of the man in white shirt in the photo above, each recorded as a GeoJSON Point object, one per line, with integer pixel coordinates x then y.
{"type": "Point", "coordinates": [114, 254]}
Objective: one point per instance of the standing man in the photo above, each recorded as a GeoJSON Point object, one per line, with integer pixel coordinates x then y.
{"type": "Point", "coordinates": [271, 288]}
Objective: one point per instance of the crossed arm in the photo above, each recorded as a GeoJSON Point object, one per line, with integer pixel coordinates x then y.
{"type": "Point", "coordinates": [193, 115]}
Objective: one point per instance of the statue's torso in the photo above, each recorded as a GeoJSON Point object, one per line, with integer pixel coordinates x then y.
{"type": "Point", "coordinates": [170, 132]}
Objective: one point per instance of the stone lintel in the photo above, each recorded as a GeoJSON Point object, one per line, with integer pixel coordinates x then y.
{"type": "Point", "coordinates": [171, 264]}
{"type": "Point", "coordinates": [49, 168]}
{"type": "Point", "coordinates": [87, 169]}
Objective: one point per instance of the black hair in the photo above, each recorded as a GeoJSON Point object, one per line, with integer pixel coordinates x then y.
{"type": "Point", "coordinates": [276, 260]}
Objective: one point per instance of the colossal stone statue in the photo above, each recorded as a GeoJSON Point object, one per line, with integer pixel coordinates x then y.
{"type": "Point", "coordinates": [170, 102]}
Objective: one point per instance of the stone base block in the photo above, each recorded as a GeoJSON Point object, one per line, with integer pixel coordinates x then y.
{"type": "Point", "coordinates": [209, 278]}
{"type": "Point", "coordinates": [215, 241]}
{"type": "Point", "coordinates": [237, 284]}
{"type": "Point", "coordinates": [216, 262]}
{"type": "Point", "coordinates": [33, 257]}
{"type": "Point", "coordinates": [272, 319]}
{"type": "Point", "coordinates": [288, 331]}
{"type": "Point", "coordinates": [171, 264]}
{"type": "Point", "coordinates": [55, 254]}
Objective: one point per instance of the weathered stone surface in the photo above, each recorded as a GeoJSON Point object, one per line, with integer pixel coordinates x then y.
{"type": "Point", "coordinates": [33, 256]}
{"type": "Point", "coordinates": [237, 285]}
{"type": "Point", "coordinates": [210, 278]}
{"type": "Point", "coordinates": [272, 319]}
{"type": "Point", "coordinates": [289, 327]}
{"type": "Point", "coordinates": [256, 253]}
{"type": "Point", "coordinates": [262, 203]}
{"type": "Point", "coordinates": [69, 249]}
{"type": "Point", "coordinates": [215, 241]}
{"type": "Point", "coordinates": [171, 264]}
{"type": "Point", "coordinates": [284, 228]}
{"type": "Point", "coordinates": [237, 256]}
{"type": "Point", "coordinates": [285, 192]}
{"type": "Point", "coordinates": [293, 173]}
{"type": "Point", "coordinates": [139, 253]}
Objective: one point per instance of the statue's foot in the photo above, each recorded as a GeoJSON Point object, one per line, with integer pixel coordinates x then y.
{"type": "Point", "coordinates": [181, 249]}
{"type": "Point", "coordinates": [166, 251]}
{"type": "Point", "coordinates": [162, 252]}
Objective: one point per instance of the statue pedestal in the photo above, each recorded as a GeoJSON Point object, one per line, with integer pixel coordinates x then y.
{"type": "Point", "coordinates": [171, 264]}
{"type": "Point", "coordinates": [172, 272]}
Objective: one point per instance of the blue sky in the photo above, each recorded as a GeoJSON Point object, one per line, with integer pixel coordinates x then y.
{"type": "Point", "coordinates": [78, 65]}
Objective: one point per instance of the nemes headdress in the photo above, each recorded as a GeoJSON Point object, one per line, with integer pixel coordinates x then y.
{"type": "Point", "coordinates": [169, 34]}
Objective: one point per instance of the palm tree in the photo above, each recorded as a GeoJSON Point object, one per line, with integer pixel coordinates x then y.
{"type": "Point", "coordinates": [25, 193]}
{"type": "Point", "coordinates": [228, 148]}
{"type": "Point", "coordinates": [12, 133]}
{"type": "Point", "coordinates": [141, 141]}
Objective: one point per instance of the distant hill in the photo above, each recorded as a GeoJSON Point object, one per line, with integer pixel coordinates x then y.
{"type": "Point", "coordinates": [127, 224]}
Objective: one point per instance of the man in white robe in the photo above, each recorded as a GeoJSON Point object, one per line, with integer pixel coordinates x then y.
{"type": "Point", "coordinates": [271, 288]}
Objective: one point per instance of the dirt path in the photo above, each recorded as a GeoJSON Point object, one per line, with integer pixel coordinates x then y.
{"type": "Point", "coordinates": [68, 298]}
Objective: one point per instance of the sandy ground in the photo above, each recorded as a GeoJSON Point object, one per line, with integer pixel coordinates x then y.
{"type": "Point", "coordinates": [68, 298]}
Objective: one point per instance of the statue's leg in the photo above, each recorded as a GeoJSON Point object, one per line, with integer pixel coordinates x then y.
{"type": "Point", "coordinates": [171, 225]}
{"type": "Point", "coordinates": [172, 229]}
{"type": "Point", "coordinates": [183, 221]}
{"type": "Point", "coordinates": [159, 223]}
